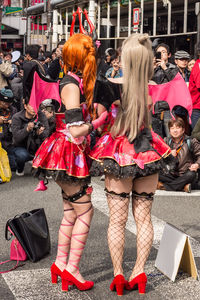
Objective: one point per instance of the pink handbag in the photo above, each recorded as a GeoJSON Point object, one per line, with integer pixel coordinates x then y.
{"type": "Point", "coordinates": [16, 253]}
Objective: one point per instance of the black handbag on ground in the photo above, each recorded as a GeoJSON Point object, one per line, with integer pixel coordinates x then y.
{"type": "Point", "coordinates": [31, 230]}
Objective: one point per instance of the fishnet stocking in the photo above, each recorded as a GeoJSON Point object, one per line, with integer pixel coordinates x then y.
{"type": "Point", "coordinates": [142, 214]}
{"type": "Point", "coordinates": [118, 207]}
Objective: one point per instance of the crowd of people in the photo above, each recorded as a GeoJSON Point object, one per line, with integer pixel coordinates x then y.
{"type": "Point", "coordinates": [115, 134]}
{"type": "Point", "coordinates": [21, 136]}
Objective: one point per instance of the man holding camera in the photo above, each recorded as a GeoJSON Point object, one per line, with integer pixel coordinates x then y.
{"type": "Point", "coordinates": [7, 110]}
{"type": "Point", "coordinates": [163, 72]}
{"type": "Point", "coordinates": [29, 131]}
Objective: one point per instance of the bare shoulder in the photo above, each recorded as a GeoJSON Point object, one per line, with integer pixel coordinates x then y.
{"type": "Point", "coordinates": [70, 96]}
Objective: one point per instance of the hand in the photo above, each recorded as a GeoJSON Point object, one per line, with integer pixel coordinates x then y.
{"type": "Point", "coordinates": [161, 63]}
{"type": "Point", "coordinates": [173, 152]}
{"type": "Point", "coordinates": [30, 126]}
{"type": "Point", "coordinates": [40, 130]}
{"type": "Point", "coordinates": [2, 119]}
{"type": "Point", "coordinates": [194, 167]}
{"type": "Point", "coordinates": [100, 121]}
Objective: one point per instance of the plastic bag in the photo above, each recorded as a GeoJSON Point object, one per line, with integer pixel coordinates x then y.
{"type": "Point", "coordinates": [5, 171]}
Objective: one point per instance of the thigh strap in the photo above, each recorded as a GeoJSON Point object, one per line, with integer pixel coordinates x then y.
{"type": "Point", "coordinates": [122, 195]}
{"type": "Point", "coordinates": [144, 196]}
{"type": "Point", "coordinates": [85, 190]}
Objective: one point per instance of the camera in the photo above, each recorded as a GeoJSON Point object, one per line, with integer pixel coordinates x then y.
{"type": "Point", "coordinates": [37, 125]}
{"type": "Point", "coordinates": [158, 55]}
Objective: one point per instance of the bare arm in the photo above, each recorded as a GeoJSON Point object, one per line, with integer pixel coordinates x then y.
{"type": "Point", "coordinates": [70, 96]}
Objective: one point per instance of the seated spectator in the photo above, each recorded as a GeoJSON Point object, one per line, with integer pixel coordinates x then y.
{"type": "Point", "coordinates": [186, 151]}
{"type": "Point", "coordinates": [49, 110]}
{"type": "Point", "coordinates": [28, 135]}
{"type": "Point", "coordinates": [7, 110]}
{"type": "Point", "coordinates": [181, 61]}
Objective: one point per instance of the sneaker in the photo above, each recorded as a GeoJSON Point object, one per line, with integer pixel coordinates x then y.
{"type": "Point", "coordinates": [20, 173]}
{"type": "Point", "coordinates": [187, 188]}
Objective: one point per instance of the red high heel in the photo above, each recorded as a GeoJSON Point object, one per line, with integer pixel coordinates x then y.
{"type": "Point", "coordinates": [118, 284]}
{"type": "Point", "coordinates": [55, 272]}
{"type": "Point", "coordinates": [139, 282]}
{"type": "Point", "coordinates": [69, 279]}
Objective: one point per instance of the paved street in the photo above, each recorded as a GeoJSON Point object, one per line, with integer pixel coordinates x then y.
{"type": "Point", "coordinates": [32, 280]}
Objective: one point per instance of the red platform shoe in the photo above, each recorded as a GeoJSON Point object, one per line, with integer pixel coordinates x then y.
{"type": "Point", "coordinates": [69, 279]}
{"type": "Point", "coordinates": [139, 282]}
{"type": "Point", "coordinates": [118, 284]}
{"type": "Point", "coordinates": [55, 272]}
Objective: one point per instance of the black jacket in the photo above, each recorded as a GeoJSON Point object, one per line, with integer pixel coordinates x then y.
{"type": "Point", "coordinates": [29, 67]}
{"type": "Point", "coordinates": [54, 69]}
{"type": "Point", "coordinates": [5, 130]}
{"type": "Point", "coordinates": [163, 76]}
{"type": "Point", "coordinates": [21, 136]}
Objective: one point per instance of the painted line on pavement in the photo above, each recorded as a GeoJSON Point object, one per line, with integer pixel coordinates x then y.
{"type": "Point", "coordinates": [36, 285]}
{"type": "Point", "coordinates": [99, 201]}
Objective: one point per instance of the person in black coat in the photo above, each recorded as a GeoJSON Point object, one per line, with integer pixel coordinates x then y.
{"type": "Point", "coordinates": [7, 110]}
{"type": "Point", "coordinates": [28, 135]}
{"type": "Point", "coordinates": [55, 70]}
{"type": "Point", "coordinates": [30, 65]}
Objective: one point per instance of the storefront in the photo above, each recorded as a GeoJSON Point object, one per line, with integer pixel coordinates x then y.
{"type": "Point", "coordinates": [173, 22]}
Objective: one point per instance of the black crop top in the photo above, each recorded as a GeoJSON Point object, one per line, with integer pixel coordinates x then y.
{"type": "Point", "coordinates": [69, 79]}
{"type": "Point", "coordinates": [106, 92]}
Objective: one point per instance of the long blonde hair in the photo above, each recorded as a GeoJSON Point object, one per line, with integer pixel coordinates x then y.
{"type": "Point", "coordinates": [137, 64]}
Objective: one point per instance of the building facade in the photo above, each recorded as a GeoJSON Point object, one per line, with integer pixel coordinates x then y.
{"type": "Point", "coordinates": [173, 22]}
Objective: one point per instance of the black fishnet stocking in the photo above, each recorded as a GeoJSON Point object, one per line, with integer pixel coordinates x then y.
{"type": "Point", "coordinates": [142, 214]}
{"type": "Point", "coordinates": [118, 207]}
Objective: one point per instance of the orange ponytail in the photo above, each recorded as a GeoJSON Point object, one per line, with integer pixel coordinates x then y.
{"type": "Point", "coordinates": [79, 56]}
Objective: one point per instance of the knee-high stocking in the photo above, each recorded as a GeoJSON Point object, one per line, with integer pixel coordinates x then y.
{"type": "Point", "coordinates": [84, 211]}
{"type": "Point", "coordinates": [142, 214]}
{"type": "Point", "coordinates": [118, 207]}
{"type": "Point", "coordinates": [64, 235]}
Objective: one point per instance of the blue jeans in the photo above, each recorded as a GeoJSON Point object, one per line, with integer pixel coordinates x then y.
{"type": "Point", "coordinates": [195, 117]}
{"type": "Point", "coordinates": [18, 156]}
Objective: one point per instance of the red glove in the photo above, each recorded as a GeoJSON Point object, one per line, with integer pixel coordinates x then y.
{"type": "Point", "coordinates": [100, 121]}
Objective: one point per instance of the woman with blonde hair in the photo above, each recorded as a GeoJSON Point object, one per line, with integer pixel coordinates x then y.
{"type": "Point", "coordinates": [64, 157]}
{"type": "Point", "coordinates": [131, 155]}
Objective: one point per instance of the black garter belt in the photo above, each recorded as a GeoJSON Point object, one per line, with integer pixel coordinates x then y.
{"type": "Point", "coordinates": [123, 195]}
{"type": "Point", "coordinates": [77, 195]}
{"type": "Point", "coordinates": [143, 195]}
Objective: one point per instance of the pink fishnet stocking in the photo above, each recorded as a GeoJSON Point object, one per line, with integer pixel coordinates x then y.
{"type": "Point", "coordinates": [118, 207]}
{"type": "Point", "coordinates": [142, 214]}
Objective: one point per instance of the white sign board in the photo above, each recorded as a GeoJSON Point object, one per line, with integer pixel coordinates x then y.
{"type": "Point", "coordinates": [175, 252]}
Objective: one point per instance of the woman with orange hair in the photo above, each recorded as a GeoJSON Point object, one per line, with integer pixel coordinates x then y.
{"type": "Point", "coordinates": [64, 156]}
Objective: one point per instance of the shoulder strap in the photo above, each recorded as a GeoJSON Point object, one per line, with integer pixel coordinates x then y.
{"type": "Point", "coordinates": [40, 65]}
{"type": "Point", "coordinates": [80, 80]}
{"type": "Point", "coordinates": [189, 144]}
{"type": "Point", "coordinates": [169, 141]}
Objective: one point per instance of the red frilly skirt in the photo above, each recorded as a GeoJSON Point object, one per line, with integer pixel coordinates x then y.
{"type": "Point", "coordinates": [119, 157]}
{"type": "Point", "coordinates": [61, 156]}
